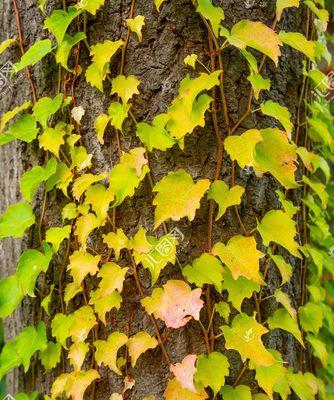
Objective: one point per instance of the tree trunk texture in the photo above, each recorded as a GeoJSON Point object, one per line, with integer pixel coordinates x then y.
{"type": "Point", "coordinates": [168, 37]}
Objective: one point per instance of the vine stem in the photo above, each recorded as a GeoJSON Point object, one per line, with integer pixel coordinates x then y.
{"type": "Point", "coordinates": [153, 320]}
{"type": "Point", "coordinates": [19, 29]}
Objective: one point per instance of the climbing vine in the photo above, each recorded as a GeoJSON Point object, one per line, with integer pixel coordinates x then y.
{"type": "Point", "coordinates": [238, 268]}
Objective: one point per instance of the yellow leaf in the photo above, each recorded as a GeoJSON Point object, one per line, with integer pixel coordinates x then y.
{"type": "Point", "coordinates": [85, 226]}
{"type": "Point", "coordinates": [99, 198]}
{"type": "Point", "coordinates": [77, 353]}
{"type": "Point", "coordinates": [284, 299]}
{"type": "Point", "coordinates": [244, 336]}
{"type": "Point", "coordinates": [175, 391]}
{"type": "Point", "coordinates": [102, 53]}
{"type": "Point", "coordinates": [283, 320]}
{"type": "Point", "coordinates": [284, 268]}
{"type": "Point", "coordinates": [82, 321]}
{"type": "Point", "coordinates": [178, 196]}
{"type": "Point", "coordinates": [106, 350]}
{"type": "Point", "coordinates": [100, 125]}
{"type": "Point", "coordinates": [277, 226]}
{"type": "Point", "coordinates": [299, 42]}
{"type": "Point", "coordinates": [90, 5]}
{"type": "Point", "coordinates": [116, 241]}
{"type": "Point", "coordinates": [82, 264]}
{"type": "Point", "coordinates": [136, 25]}
{"type": "Point", "coordinates": [283, 4]}
{"type": "Point", "coordinates": [112, 278]}
{"type": "Point", "coordinates": [52, 138]}
{"type": "Point", "coordinates": [138, 344]}
{"type": "Point", "coordinates": [71, 290]}
{"type": "Point", "coordinates": [158, 3]}
{"type": "Point", "coordinates": [191, 60]}
{"type": "Point", "coordinates": [241, 148]}
{"type": "Point", "coordinates": [104, 303]}
{"type": "Point", "coordinates": [125, 87]}
{"type": "Point", "coordinates": [5, 44]}
{"type": "Point", "coordinates": [241, 256]}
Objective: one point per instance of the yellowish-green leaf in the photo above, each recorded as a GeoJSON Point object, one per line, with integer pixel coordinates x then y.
{"type": "Point", "coordinates": [205, 366]}
{"type": "Point", "coordinates": [178, 196]}
{"type": "Point", "coordinates": [321, 13]}
{"type": "Point", "coordinates": [82, 264]}
{"type": "Point", "coordinates": [34, 54]}
{"type": "Point", "coordinates": [125, 87]}
{"type": "Point", "coordinates": [224, 196]}
{"type": "Point", "coordinates": [241, 256]}
{"type": "Point", "coordinates": [112, 278]}
{"type": "Point", "coordinates": [52, 138]}
{"type": "Point", "coordinates": [239, 392]}
{"type": "Point", "coordinates": [104, 303]}
{"type": "Point", "coordinates": [299, 42]}
{"type": "Point", "coordinates": [258, 36]}
{"type": "Point", "coordinates": [284, 268]}
{"type": "Point", "coordinates": [117, 113]}
{"type": "Point", "coordinates": [82, 183]}
{"type": "Point", "coordinates": [238, 289]}
{"type": "Point", "coordinates": [50, 356]}
{"type": "Point", "coordinates": [284, 299]}
{"type": "Point", "coordinates": [287, 205]}
{"type": "Point", "coordinates": [6, 117]}
{"type": "Point", "coordinates": [136, 25]}
{"type": "Point", "coordinates": [45, 108]}
{"type": "Point", "coordinates": [206, 269]}
{"type": "Point", "coordinates": [319, 349]}
{"type": "Point", "coordinates": [244, 336]}
{"type": "Point", "coordinates": [80, 158]}
{"type": "Point", "coordinates": [24, 128]}
{"type": "Point", "coordinates": [241, 148]}
{"type": "Point", "coordinates": [106, 350]}
{"type": "Point", "coordinates": [319, 188]}
{"type": "Point", "coordinates": [15, 220]}
{"type": "Point", "coordinates": [69, 211]}
{"type": "Point", "coordinates": [277, 226]}
{"type": "Point", "coordinates": [282, 320]}
{"type": "Point", "coordinates": [45, 303]}
{"type": "Point", "coordinates": [82, 321]}
{"type": "Point", "coordinates": [71, 290]}
{"type": "Point", "coordinates": [65, 47]}
{"type": "Point", "coordinates": [311, 317]}
{"type": "Point", "coordinates": [99, 198]}
{"type": "Point", "coordinates": [304, 385]}
{"type": "Point", "coordinates": [191, 60]}
{"type": "Point", "coordinates": [281, 113]}
{"type": "Point", "coordinates": [258, 84]}
{"type": "Point", "coordinates": [90, 5]}
{"type": "Point", "coordinates": [56, 235]}
{"type": "Point", "coordinates": [5, 44]}
{"type": "Point", "coordinates": [158, 3]}
{"type": "Point", "coordinates": [100, 125]}
{"type": "Point", "coordinates": [139, 344]}
{"type": "Point", "coordinates": [60, 327]}
{"type": "Point", "coordinates": [223, 309]}
{"type": "Point", "coordinates": [58, 22]}
{"type": "Point", "coordinates": [74, 384]}
{"type": "Point", "coordinates": [214, 14]}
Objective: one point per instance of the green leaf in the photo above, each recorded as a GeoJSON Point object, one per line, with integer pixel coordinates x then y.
{"type": "Point", "coordinates": [33, 178]}
{"type": "Point", "coordinates": [206, 364]}
{"type": "Point", "coordinates": [125, 87]}
{"type": "Point", "coordinates": [47, 300]}
{"type": "Point", "coordinates": [224, 196]}
{"type": "Point", "coordinates": [275, 154]}
{"type": "Point", "coordinates": [281, 113]}
{"type": "Point", "coordinates": [256, 35]}
{"type": "Point", "coordinates": [238, 289]}
{"type": "Point", "coordinates": [282, 320]}
{"type": "Point", "coordinates": [287, 205]}
{"type": "Point", "coordinates": [60, 327]}
{"type": "Point", "coordinates": [52, 138]}
{"type": "Point", "coordinates": [46, 107]}
{"type": "Point", "coordinates": [304, 385]}
{"type": "Point", "coordinates": [284, 299]}
{"type": "Point", "coordinates": [239, 392]}
{"type": "Point", "coordinates": [241, 256]}
{"type": "Point", "coordinates": [31, 263]}
{"type": "Point", "coordinates": [156, 136]}
{"type": "Point", "coordinates": [178, 196]}
{"type": "Point", "coordinates": [90, 5]}
{"type": "Point", "coordinates": [65, 47]}
{"type": "Point", "coordinates": [223, 309]}
{"type": "Point", "coordinates": [136, 25]}
{"type": "Point", "coordinates": [321, 13]}
{"type": "Point", "coordinates": [15, 220]}
{"type": "Point", "coordinates": [50, 356]}
{"type": "Point", "coordinates": [206, 269]}
{"type": "Point", "coordinates": [319, 349]}
{"type": "Point", "coordinates": [319, 188]}
{"type": "Point", "coordinates": [10, 296]}
{"type": "Point", "coordinates": [58, 22]}
{"type": "Point", "coordinates": [35, 53]}
{"type": "Point", "coordinates": [299, 42]}
{"type": "Point", "coordinates": [258, 84]}
{"type": "Point", "coordinates": [277, 226]}
{"type": "Point", "coordinates": [214, 14]}
{"type": "Point", "coordinates": [311, 317]}
{"type": "Point", "coordinates": [106, 350]}
{"type": "Point", "coordinates": [244, 336]}
{"type": "Point", "coordinates": [20, 350]}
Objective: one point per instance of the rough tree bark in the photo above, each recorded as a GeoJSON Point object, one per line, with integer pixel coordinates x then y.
{"type": "Point", "coordinates": [158, 62]}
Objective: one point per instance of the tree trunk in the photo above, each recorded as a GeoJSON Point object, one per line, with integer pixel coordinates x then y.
{"type": "Point", "coordinates": [168, 37]}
